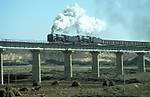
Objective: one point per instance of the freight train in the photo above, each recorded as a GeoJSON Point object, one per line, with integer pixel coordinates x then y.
{"type": "Point", "coordinates": [61, 38]}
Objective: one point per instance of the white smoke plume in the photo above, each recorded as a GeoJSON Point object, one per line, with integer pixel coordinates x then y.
{"type": "Point", "coordinates": [126, 19]}
{"type": "Point", "coordinates": [74, 17]}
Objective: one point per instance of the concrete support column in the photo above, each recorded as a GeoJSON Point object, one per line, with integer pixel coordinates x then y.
{"type": "Point", "coordinates": [1, 67]}
{"type": "Point", "coordinates": [119, 63]}
{"type": "Point", "coordinates": [68, 64]}
{"type": "Point", "coordinates": [141, 62]}
{"type": "Point", "coordinates": [95, 64]}
{"type": "Point", "coordinates": [36, 66]}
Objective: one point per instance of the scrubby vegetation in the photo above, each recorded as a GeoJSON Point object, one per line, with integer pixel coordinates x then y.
{"type": "Point", "coordinates": [19, 77]}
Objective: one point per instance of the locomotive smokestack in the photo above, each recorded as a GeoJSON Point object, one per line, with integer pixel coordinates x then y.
{"type": "Point", "coordinates": [52, 29]}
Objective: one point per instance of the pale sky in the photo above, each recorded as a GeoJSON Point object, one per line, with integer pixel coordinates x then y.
{"type": "Point", "coordinates": [32, 19]}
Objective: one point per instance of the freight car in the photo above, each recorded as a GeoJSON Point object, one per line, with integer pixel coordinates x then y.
{"type": "Point", "coordinates": [127, 43]}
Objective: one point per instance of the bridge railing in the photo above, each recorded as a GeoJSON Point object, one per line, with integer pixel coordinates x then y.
{"type": "Point", "coordinates": [31, 41]}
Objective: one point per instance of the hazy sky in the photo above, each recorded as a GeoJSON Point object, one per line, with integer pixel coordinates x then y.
{"type": "Point", "coordinates": [32, 19]}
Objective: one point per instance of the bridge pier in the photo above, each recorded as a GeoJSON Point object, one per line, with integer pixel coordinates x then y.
{"type": "Point", "coordinates": [95, 64]}
{"type": "Point", "coordinates": [36, 66]}
{"type": "Point", "coordinates": [141, 62]}
{"type": "Point", "coordinates": [1, 67]}
{"type": "Point", "coordinates": [67, 64]}
{"type": "Point", "coordinates": [119, 63]}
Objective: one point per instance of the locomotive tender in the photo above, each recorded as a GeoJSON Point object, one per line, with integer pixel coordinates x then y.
{"type": "Point", "coordinates": [61, 38]}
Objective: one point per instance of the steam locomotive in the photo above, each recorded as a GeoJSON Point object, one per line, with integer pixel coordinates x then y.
{"type": "Point", "coordinates": [73, 39]}
{"type": "Point", "coordinates": [88, 39]}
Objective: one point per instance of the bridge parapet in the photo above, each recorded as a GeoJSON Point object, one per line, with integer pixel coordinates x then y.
{"type": "Point", "coordinates": [28, 41]}
{"type": "Point", "coordinates": [73, 46]}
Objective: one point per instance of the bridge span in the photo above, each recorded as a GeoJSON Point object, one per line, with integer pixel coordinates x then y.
{"type": "Point", "coordinates": [10, 44]}
{"type": "Point", "coordinates": [68, 49]}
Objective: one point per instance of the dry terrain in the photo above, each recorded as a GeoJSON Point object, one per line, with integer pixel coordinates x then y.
{"type": "Point", "coordinates": [132, 84]}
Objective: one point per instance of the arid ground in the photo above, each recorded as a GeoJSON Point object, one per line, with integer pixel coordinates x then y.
{"type": "Point", "coordinates": [132, 84]}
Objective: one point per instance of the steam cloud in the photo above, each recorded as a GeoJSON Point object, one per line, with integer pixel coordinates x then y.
{"type": "Point", "coordinates": [126, 19]}
{"type": "Point", "coordinates": [73, 18]}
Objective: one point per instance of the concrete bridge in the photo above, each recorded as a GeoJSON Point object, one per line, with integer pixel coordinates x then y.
{"type": "Point", "coordinates": [68, 49]}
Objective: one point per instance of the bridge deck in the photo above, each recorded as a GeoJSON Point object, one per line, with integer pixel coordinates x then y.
{"type": "Point", "coordinates": [72, 46]}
